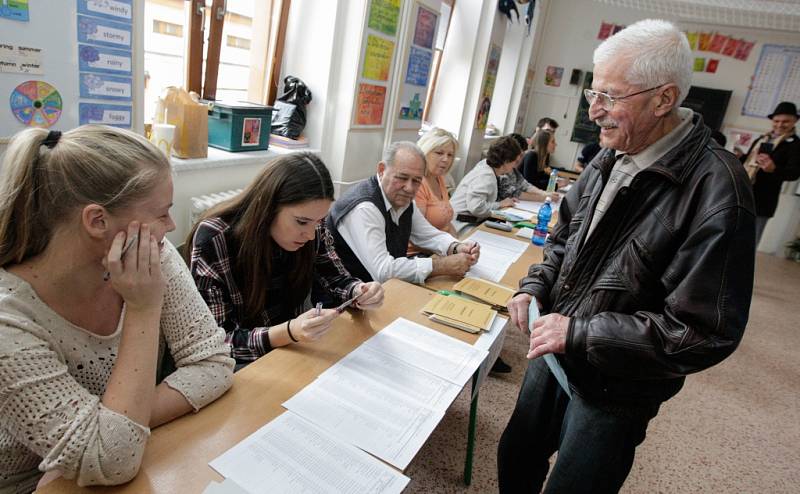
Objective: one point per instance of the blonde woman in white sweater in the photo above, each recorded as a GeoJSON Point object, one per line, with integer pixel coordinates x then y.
{"type": "Point", "coordinates": [93, 299]}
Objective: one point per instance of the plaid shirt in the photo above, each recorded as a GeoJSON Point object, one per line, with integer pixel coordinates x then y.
{"type": "Point", "coordinates": [211, 268]}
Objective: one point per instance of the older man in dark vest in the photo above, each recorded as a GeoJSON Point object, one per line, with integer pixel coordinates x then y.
{"type": "Point", "coordinates": [373, 222]}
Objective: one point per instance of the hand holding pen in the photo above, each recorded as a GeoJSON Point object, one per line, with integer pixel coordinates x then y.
{"type": "Point", "coordinates": [472, 249]}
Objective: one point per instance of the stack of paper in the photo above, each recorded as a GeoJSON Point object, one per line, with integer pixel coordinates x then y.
{"type": "Point", "coordinates": [513, 214]}
{"type": "Point", "coordinates": [493, 294]}
{"type": "Point", "coordinates": [290, 455]}
{"type": "Point", "coordinates": [498, 253]}
{"type": "Point", "coordinates": [388, 395]}
{"type": "Point", "coordinates": [460, 313]}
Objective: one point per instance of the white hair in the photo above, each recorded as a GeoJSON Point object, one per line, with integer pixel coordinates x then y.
{"type": "Point", "coordinates": [657, 53]}
{"type": "Point", "coordinates": [391, 152]}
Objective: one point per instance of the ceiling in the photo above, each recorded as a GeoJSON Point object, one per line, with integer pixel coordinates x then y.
{"type": "Point", "coordinates": [781, 15]}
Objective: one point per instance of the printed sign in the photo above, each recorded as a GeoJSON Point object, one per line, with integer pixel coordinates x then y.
{"type": "Point", "coordinates": [92, 113]}
{"type": "Point", "coordinates": [378, 58]}
{"type": "Point", "coordinates": [103, 32]}
{"type": "Point", "coordinates": [99, 86]}
{"type": "Point", "coordinates": [425, 29]}
{"type": "Point", "coordinates": [20, 59]}
{"type": "Point", "coordinates": [251, 132]}
{"type": "Point", "coordinates": [370, 101]}
{"type": "Point", "coordinates": [419, 66]}
{"type": "Point", "coordinates": [119, 10]}
{"type": "Point", "coordinates": [104, 60]}
{"type": "Point", "coordinates": [383, 15]}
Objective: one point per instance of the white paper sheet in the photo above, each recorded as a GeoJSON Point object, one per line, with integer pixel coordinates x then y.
{"type": "Point", "coordinates": [290, 455]}
{"type": "Point", "coordinates": [507, 245]}
{"type": "Point", "coordinates": [532, 206]}
{"type": "Point", "coordinates": [397, 377]}
{"type": "Point", "coordinates": [491, 341]}
{"type": "Point", "coordinates": [429, 350]}
{"type": "Point", "coordinates": [522, 214]}
{"type": "Point", "coordinates": [361, 412]}
{"type": "Point", "coordinates": [227, 486]}
{"type": "Point", "coordinates": [524, 232]}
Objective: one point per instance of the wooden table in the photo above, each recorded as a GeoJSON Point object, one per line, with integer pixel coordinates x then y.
{"type": "Point", "coordinates": [177, 454]}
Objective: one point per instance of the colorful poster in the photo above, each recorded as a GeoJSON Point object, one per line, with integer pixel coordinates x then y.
{"type": "Point", "coordinates": [411, 104]}
{"type": "Point", "coordinates": [606, 29]}
{"type": "Point", "coordinates": [553, 75]}
{"type": "Point", "coordinates": [99, 86]}
{"type": "Point", "coordinates": [712, 65]}
{"type": "Point", "coordinates": [19, 59]}
{"type": "Point", "coordinates": [103, 32]}
{"type": "Point", "coordinates": [370, 101]}
{"type": "Point", "coordinates": [489, 80]}
{"type": "Point", "coordinates": [705, 42]}
{"type": "Point", "coordinates": [692, 39]}
{"type": "Point", "coordinates": [92, 113]}
{"type": "Point", "coordinates": [730, 47]}
{"type": "Point", "coordinates": [383, 15]}
{"type": "Point", "coordinates": [743, 50]}
{"type": "Point", "coordinates": [419, 66]}
{"type": "Point", "coordinates": [718, 42]}
{"type": "Point", "coordinates": [378, 58]}
{"type": "Point", "coordinates": [104, 60]}
{"type": "Point", "coordinates": [699, 64]}
{"type": "Point", "coordinates": [36, 104]}
{"type": "Point", "coordinates": [116, 10]}
{"type": "Point", "coordinates": [16, 10]}
{"type": "Point", "coordinates": [425, 29]}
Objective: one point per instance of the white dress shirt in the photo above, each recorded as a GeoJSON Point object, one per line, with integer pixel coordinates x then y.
{"type": "Point", "coordinates": [364, 230]}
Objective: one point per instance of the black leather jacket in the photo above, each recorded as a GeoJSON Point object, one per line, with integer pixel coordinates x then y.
{"type": "Point", "coordinates": [662, 287]}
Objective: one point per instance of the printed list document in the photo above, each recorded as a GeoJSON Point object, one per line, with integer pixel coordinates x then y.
{"type": "Point", "coordinates": [428, 349]}
{"type": "Point", "coordinates": [398, 377]}
{"type": "Point", "coordinates": [497, 255]}
{"type": "Point", "coordinates": [290, 455]}
{"type": "Point", "coordinates": [499, 244]}
{"type": "Point", "coordinates": [365, 414]}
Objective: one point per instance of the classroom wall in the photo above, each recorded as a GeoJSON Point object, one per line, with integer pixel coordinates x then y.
{"type": "Point", "coordinates": [569, 37]}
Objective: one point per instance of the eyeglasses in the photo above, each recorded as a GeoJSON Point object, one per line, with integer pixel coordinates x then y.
{"type": "Point", "coordinates": [607, 101]}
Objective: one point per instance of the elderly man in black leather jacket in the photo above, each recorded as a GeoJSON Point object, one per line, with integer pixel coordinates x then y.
{"type": "Point", "coordinates": [646, 278]}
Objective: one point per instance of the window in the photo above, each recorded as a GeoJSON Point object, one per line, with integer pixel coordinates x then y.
{"type": "Point", "coordinates": [441, 36]}
{"type": "Point", "coordinates": [236, 42]}
{"type": "Point", "coordinates": [167, 28]}
{"type": "Point", "coordinates": [244, 59]}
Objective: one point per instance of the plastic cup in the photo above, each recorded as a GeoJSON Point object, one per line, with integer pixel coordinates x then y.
{"type": "Point", "coordinates": [162, 136]}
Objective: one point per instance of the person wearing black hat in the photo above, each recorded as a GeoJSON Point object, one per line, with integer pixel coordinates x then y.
{"type": "Point", "coordinates": [771, 160]}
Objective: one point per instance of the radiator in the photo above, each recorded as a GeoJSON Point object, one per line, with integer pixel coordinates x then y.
{"type": "Point", "coordinates": [200, 204]}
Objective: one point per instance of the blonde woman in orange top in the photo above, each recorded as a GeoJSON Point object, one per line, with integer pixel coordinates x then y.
{"type": "Point", "coordinates": [432, 198]}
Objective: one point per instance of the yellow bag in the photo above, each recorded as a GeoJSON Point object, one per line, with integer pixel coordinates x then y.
{"type": "Point", "coordinates": [190, 118]}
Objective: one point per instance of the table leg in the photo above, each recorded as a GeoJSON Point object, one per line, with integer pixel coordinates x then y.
{"type": "Point", "coordinates": [473, 419]}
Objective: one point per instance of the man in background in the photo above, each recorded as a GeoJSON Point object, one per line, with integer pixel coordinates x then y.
{"type": "Point", "coordinates": [772, 159]}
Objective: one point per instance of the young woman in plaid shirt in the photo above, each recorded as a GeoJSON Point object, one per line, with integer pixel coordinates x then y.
{"type": "Point", "coordinates": [255, 258]}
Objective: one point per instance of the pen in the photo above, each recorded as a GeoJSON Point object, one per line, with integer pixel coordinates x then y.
{"type": "Point", "coordinates": [319, 309]}
{"type": "Point", "coordinates": [107, 274]}
{"type": "Point", "coordinates": [347, 304]}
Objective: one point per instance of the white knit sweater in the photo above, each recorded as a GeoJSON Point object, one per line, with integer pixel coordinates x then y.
{"type": "Point", "coordinates": [53, 375]}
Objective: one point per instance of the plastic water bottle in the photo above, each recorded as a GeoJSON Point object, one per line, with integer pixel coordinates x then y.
{"type": "Point", "coordinates": [542, 220]}
{"type": "Point", "coordinates": [551, 184]}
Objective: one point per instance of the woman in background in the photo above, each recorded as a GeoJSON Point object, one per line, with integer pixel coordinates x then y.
{"type": "Point", "coordinates": [255, 257]}
{"type": "Point", "coordinates": [432, 199]}
{"type": "Point", "coordinates": [93, 297]}
{"type": "Point", "coordinates": [514, 185]}
{"type": "Point", "coordinates": [536, 162]}
{"type": "Point", "coordinates": [476, 194]}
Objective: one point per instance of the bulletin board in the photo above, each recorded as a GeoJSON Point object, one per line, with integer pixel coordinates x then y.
{"type": "Point", "coordinates": [417, 67]}
{"type": "Point", "coordinates": [378, 49]}
{"type": "Point", "coordinates": [66, 63]}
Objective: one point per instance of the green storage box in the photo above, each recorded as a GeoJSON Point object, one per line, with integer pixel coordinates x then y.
{"type": "Point", "coordinates": [239, 126]}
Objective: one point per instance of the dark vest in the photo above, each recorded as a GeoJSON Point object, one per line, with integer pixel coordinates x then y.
{"type": "Point", "coordinates": [397, 236]}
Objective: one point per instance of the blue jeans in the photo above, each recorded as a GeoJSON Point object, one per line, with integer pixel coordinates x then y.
{"type": "Point", "coordinates": [596, 442]}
